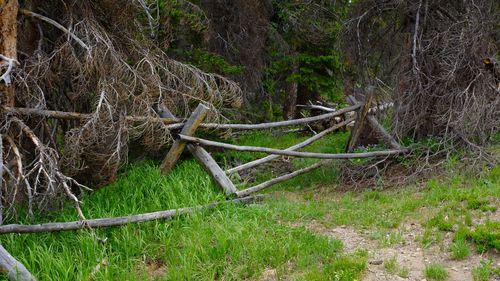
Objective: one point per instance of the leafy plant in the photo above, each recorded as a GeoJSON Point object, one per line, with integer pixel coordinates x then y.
{"type": "Point", "coordinates": [442, 222]}
{"type": "Point", "coordinates": [208, 61]}
{"type": "Point", "coordinates": [486, 236]}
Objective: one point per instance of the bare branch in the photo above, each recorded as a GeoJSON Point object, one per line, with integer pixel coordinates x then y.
{"type": "Point", "coordinates": [10, 65]}
{"type": "Point", "coordinates": [58, 26]}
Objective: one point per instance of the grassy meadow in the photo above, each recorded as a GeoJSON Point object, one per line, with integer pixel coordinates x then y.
{"type": "Point", "coordinates": [236, 242]}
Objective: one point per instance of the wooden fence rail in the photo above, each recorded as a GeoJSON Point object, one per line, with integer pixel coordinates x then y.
{"type": "Point", "coordinates": [175, 123]}
{"type": "Point", "coordinates": [294, 147]}
{"type": "Point", "coordinates": [291, 152]}
{"type": "Point", "coordinates": [109, 222]}
{"type": "Point", "coordinates": [279, 179]}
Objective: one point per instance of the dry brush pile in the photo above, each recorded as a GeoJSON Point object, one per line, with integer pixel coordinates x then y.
{"type": "Point", "coordinates": [431, 56]}
{"type": "Point", "coordinates": [100, 58]}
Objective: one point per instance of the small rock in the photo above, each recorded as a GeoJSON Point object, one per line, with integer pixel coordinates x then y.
{"type": "Point", "coordinates": [454, 269]}
{"type": "Point", "coordinates": [376, 262]}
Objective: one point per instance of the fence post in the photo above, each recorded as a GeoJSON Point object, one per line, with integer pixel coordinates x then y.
{"type": "Point", "coordinates": [375, 125]}
{"type": "Point", "coordinates": [212, 168]}
{"type": "Point", "coordinates": [189, 128]}
{"type": "Point", "coordinates": [360, 119]}
{"type": "Point", "coordinates": [208, 163]}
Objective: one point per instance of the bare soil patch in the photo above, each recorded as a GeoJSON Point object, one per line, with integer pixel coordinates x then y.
{"type": "Point", "coordinates": [409, 253]}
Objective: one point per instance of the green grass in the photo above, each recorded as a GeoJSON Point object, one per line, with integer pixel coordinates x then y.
{"type": "Point", "coordinates": [483, 271]}
{"type": "Point", "coordinates": [486, 236]}
{"type": "Point", "coordinates": [231, 243]}
{"type": "Point", "coordinates": [404, 272]}
{"type": "Point", "coordinates": [391, 265]}
{"type": "Point", "coordinates": [236, 242]}
{"type": "Point", "coordinates": [459, 250]}
{"type": "Point", "coordinates": [435, 272]}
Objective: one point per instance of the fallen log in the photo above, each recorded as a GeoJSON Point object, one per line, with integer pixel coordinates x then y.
{"type": "Point", "coordinates": [290, 152]}
{"type": "Point", "coordinates": [13, 268]}
{"type": "Point", "coordinates": [295, 147]}
{"type": "Point", "coordinates": [274, 181]}
{"type": "Point", "coordinates": [109, 222]}
{"type": "Point", "coordinates": [373, 110]}
{"type": "Point", "coordinates": [319, 107]}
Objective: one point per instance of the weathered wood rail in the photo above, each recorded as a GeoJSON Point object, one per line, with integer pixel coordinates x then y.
{"type": "Point", "coordinates": [305, 143]}
{"type": "Point", "coordinates": [13, 268]}
{"type": "Point", "coordinates": [117, 221]}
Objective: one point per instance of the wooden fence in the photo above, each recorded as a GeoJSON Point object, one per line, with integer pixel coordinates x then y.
{"type": "Point", "coordinates": [186, 139]}
{"type": "Point", "coordinates": [195, 145]}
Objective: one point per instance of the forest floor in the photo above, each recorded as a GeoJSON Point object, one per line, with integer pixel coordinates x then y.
{"type": "Point", "coordinates": [309, 228]}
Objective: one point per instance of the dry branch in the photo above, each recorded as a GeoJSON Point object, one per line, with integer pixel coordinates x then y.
{"type": "Point", "coordinates": [13, 268]}
{"type": "Point", "coordinates": [98, 66]}
{"type": "Point", "coordinates": [45, 169]}
{"type": "Point", "coordinates": [108, 222]}
{"type": "Point", "coordinates": [294, 147]}
{"type": "Point", "coordinates": [290, 152]}
{"type": "Point", "coordinates": [274, 181]}
{"type": "Point", "coordinates": [432, 64]}
{"type": "Point", "coordinates": [58, 26]}
{"type": "Point", "coordinates": [10, 65]}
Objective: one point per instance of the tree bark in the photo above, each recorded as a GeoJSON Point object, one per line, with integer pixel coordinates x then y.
{"type": "Point", "coordinates": [8, 43]}
{"type": "Point", "coordinates": [290, 103]}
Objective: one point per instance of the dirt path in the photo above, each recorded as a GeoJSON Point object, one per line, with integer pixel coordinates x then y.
{"type": "Point", "coordinates": [409, 254]}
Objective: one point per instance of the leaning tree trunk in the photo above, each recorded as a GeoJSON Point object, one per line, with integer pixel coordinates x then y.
{"type": "Point", "coordinates": [8, 42]}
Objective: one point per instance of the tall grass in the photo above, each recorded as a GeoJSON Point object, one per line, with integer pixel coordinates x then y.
{"type": "Point", "coordinates": [230, 243]}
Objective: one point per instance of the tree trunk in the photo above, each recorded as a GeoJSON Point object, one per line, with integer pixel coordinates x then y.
{"type": "Point", "coordinates": [290, 104]}
{"type": "Point", "coordinates": [8, 42]}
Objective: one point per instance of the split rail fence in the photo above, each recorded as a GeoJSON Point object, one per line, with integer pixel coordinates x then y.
{"type": "Point", "coordinates": [195, 145]}
{"type": "Point", "coordinates": [186, 140]}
